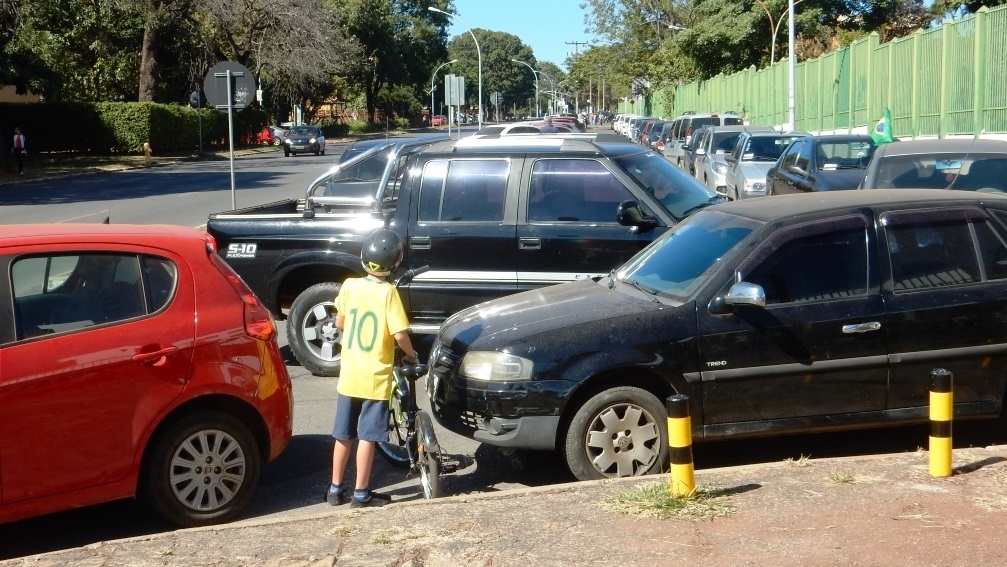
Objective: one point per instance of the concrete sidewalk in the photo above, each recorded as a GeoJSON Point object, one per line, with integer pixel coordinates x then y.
{"type": "Point", "coordinates": [881, 510]}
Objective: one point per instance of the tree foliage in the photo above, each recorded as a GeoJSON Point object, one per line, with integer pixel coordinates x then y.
{"type": "Point", "coordinates": [514, 81]}
{"type": "Point", "coordinates": [402, 41]}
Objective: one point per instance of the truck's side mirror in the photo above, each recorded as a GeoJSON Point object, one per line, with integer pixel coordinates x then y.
{"type": "Point", "coordinates": [630, 214]}
{"type": "Point", "coordinates": [744, 293]}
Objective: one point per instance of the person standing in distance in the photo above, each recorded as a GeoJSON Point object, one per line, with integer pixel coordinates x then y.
{"type": "Point", "coordinates": [372, 320]}
{"type": "Point", "coordinates": [20, 149]}
{"type": "Point", "coordinates": [548, 128]}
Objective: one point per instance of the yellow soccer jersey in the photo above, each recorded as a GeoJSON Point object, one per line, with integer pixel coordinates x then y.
{"type": "Point", "coordinates": [372, 313]}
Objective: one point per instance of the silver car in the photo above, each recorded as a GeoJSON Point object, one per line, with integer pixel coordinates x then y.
{"type": "Point", "coordinates": [751, 158]}
{"type": "Point", "coordinates": [710, 164]}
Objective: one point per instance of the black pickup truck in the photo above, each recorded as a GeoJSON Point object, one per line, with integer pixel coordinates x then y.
{"type": "Point", "coordinates": [490, 216]}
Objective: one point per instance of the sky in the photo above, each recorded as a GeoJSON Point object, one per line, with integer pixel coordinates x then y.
{"type": "Point", "coordinates": [544, 25]}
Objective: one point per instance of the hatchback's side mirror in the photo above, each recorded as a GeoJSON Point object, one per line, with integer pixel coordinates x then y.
{"type": "Point", "coordinates": [630, 214]}
{"type": "Point", "coordinates": [797, 170]}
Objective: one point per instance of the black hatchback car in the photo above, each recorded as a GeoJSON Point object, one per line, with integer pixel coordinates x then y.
{"type": "Point", "coordinates": [304, 139]}
{"type": "Point", "coordinates": [798, 313]}
{"type": "Point", "coordinates": [833, 162]}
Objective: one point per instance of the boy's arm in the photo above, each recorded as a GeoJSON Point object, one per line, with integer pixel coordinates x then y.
{"type": "Point", "coordinates": [409, 355]}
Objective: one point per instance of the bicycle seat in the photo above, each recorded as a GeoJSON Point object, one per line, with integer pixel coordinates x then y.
{"type": "Point", "coordinates": [412, 371]}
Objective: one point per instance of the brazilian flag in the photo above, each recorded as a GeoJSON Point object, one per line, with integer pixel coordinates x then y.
{"type": "Point", "coordinates": [882, 133]}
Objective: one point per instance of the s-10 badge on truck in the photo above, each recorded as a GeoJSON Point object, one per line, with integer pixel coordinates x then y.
{"type": "Point", "coordinates": [246, 250]}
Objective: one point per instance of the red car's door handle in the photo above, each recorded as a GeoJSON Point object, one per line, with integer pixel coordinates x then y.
{"type": "Point", "coordinates": [155, 357]}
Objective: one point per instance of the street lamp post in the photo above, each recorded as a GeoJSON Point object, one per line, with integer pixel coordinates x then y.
{"type": "Point", "coordinates": [538, 111]}
{"type": "Point", "coordinates": [552, 86]}
{"type": "Point", "coordinates": [432, 79]}
{"type": "Point", "coordinates": [479, 54]}
{"type": "Point", "coordinates": [775, 28]}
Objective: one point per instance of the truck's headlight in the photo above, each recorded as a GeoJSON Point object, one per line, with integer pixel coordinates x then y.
{"type": "Point", "coordinates": [495, 366]}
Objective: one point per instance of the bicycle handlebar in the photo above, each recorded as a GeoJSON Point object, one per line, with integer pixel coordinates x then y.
{"type": "Point", "coordinates": [410, 274]}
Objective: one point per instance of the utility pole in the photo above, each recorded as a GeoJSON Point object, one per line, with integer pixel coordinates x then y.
{"type": "Point", "coordinates": [576, 46]}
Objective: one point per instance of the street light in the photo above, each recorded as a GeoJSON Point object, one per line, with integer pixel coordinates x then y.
{"type": "Point", "coordinates": [774, 28]}
{"type": "Point", "coordinates": [538, 111]}
{"type": "Point", "coordinates": [432, 79]}
{"type": "Point", "coordinates": [479, 54]}
{"type": "Point", "coordinates": [552, 85]}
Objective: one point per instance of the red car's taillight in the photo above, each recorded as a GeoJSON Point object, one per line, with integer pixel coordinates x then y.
{"type": "Point", "coordinates": [258, 321]}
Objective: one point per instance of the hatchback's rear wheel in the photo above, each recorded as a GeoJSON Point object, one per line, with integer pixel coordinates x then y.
{"type": "Point", "coordinates": [617, 433]}
{"type": "Point", "coordinates": [311, 329]}
{"type": "Point", "coordinates": [202, 470]}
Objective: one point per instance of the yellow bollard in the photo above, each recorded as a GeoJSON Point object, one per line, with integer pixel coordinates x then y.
{"type": "Point", "coordinates": [682, 480]}
{"type": "Point", "coordinates": [146, 153]}
{"type": "Point", "coordinates": [941, 412]}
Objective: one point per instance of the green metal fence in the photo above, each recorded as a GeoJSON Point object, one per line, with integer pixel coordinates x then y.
{"type": "Point", "coordinates": [950, 80]}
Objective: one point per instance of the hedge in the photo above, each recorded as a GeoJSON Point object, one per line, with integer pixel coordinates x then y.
{"type": "Point", "coordinates": [105, 128]}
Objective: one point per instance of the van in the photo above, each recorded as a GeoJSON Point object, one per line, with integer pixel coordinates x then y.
{"type": "Point", "coordinates": [687, 125]}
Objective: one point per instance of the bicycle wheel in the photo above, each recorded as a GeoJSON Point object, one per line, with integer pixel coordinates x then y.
{"type": "Point", "coordinates": [429, 455]}
{"type": "Point", "coordinates": [396, 449]}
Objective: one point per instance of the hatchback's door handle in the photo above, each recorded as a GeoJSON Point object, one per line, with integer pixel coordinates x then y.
{"type": "Point", "coordinates": [419, 243]}
{"type": "Point", "coordinates": [862, 327]}
{"type": "Point", "coordinates": [529, 243]}
{"type": "Point", "coordinates": [156, 356]}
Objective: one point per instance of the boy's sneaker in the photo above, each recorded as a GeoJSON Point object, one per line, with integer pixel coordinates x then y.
{"type": "Point", "coordinates": [372, 499]}
{"type": "Point", "coordinates": [336, 497]}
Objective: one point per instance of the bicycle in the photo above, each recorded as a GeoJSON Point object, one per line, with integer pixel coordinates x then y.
{"type": "Point", "coordinates": [412, 443]}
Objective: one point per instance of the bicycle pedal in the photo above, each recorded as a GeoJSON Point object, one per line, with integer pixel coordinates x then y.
{"type": "Point", "coordinates": [452, 463]}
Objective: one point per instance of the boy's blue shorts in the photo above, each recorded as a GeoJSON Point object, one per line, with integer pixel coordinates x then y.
{"type": "Point", "coordinates": [357, 418]}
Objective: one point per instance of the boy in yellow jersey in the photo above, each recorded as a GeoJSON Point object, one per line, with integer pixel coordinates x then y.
{"type": "Point", "coordinates": [371, 317]}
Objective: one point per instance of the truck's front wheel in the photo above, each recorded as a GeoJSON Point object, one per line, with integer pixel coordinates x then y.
{"type": "Point", "coordinates": [311, 329]}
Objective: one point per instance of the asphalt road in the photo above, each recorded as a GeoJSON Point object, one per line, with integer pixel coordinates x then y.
{"type": "Point", "coordinates": [294, 484]}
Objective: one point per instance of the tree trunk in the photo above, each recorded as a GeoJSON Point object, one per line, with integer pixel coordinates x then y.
{"type": "Point", "coordinates": [148, 59]}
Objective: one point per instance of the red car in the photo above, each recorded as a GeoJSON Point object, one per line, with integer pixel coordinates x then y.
{"type": "Point", "coordinates": [135, 363]}
{"type": "Point", "coordinates": [438, 120]}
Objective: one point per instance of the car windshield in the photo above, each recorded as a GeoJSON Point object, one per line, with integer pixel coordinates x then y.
{"type": "Point", "coordinates": [723, 142]}
{"type": "Point", "coordinates": [675, 265]}
{"type": "Point", "coordinates": [766, 148]}
{"type": "Point", "coordinates": [848, 154]}
{"type": "Point", "coordinates": [973, 172]}
{"type": "Point", "coordinates": [302, 131]}
{"type": "Point", "coordinates": [677, 191]}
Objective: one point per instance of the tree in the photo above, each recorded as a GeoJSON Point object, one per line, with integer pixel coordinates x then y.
{"type": "Point", "coordinates": [401, 43]}
{"type": "Point", "coordinates": [515, 82]}
{"type": "Point", "coordinates": [300, 61]}
{"type": "Point", "coordinates": [80, 49]}
{"type": "Point", "coordinates": [160, 16]}
{"type": "Point", "coordinates": [960, 7]}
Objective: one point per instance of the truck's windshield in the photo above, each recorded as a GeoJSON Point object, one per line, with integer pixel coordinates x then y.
{"type": "Point", "coordinates": [678, 192]}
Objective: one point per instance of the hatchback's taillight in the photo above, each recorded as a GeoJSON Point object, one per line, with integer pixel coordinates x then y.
{"type": "Point", "coordinates": [258, 321]}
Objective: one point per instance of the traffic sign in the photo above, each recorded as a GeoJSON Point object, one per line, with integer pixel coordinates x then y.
{"type": "Point", "coordinates": [242, 86]}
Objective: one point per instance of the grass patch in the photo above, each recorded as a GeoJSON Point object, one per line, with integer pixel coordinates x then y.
{"type": "Point", "coordinates": [842, 477]}
{"type": "Point", "coordinates": [655, 499]}
{"type": "Point", "coordinates": [800, 462]}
